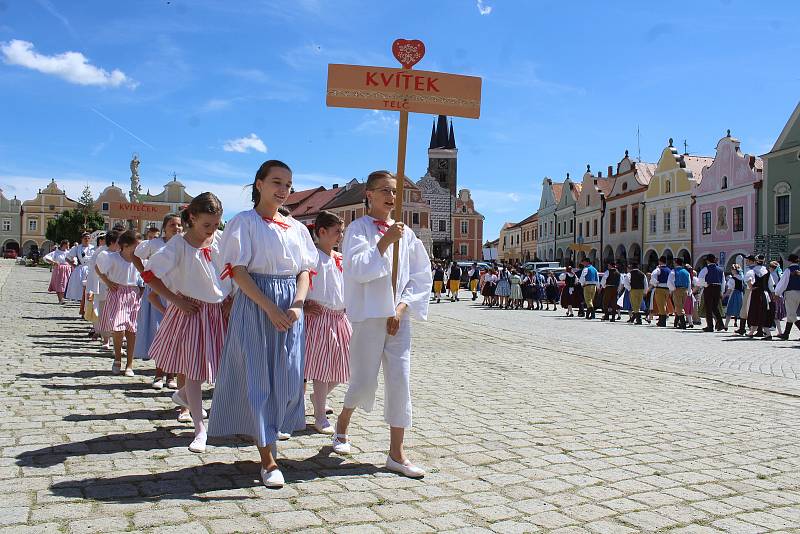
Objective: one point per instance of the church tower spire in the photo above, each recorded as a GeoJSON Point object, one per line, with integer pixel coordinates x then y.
{"type": "Point", "coordinates": [433, 135]}
{"type": "Point", "coordinates": [451, 139]}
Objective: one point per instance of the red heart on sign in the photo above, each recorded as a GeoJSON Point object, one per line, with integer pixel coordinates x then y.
{"type": "Point", "coordinates": [408, 53]}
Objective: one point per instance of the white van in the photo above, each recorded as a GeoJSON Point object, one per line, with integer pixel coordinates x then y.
{"type": "Point", "coordinates": [540, 265]}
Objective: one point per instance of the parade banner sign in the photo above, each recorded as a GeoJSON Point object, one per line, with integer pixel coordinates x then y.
{"type": "Point", "coordinates": [404, 90]}
{"type": "Point", "coordinates": [137, 211]}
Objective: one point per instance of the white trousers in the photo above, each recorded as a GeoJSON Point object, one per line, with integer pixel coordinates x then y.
{"type": "Point", "coordinates": [370, 348]}
{"type": "Point", "coordinates": [791, 299]}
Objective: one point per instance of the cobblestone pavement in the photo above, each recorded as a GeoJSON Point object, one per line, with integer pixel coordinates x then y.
{"type": "Point", "coordinates": [526, 421]}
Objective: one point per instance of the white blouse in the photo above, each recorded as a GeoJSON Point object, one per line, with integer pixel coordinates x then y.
{"type": "Point", "coordinates": [368, 274]}
{"type": "Point", "coordinates": [81, 253]}
{"type": "Point", "coordinates": [327, 285]}
{"type": "Point", "coordinates": [147, 248]}
{"type": "Point", "coordinates": [58, 256]}
{"type": "Point", "coordinates": [190, 271]}
{"type": "Point", "coordinates": [118, 269]}
{"type": "Point", "coordinates": [266, 247]}
{"type": "Point", "coordinates": [92, 280]}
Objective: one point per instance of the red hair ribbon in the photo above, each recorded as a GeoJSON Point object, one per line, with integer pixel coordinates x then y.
{"type": "Point", "coordinates": [382, 226]}
{"type": "Point", "coordinates": [311, 274]}
{"type": "Point", "coordinates": [226, 272]}
{"type": "Point", "coordinates": [280, 224]}
{"type": "Point", "coordinates": [207, 253]}
{"type": "Point", "coordinates": [148, 276]}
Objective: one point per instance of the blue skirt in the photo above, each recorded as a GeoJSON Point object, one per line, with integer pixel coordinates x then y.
{"type": "Point", "coordinates": [146, 326]}
{"type": "Point", "coordinates": [734, 304]}
{"type": "Point", "coordinates": [503, 288]}
{"type": "Point", "coordinates": [259, 387]}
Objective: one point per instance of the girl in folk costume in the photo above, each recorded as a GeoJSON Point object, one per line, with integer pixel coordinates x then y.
{"type": "Point", "coordinates": [327, 328]}
{"type": "Point", "coordinates": [551, 291]}
{"type": "Point", "coordinates": [516, 290]}
{"type": "Point", "coordinates": [99, 289]}
{"type": "Point", "coordinates": [81, 255]}
{"type": "Point", "coordinates": [527, 290]}
{"type": "Point", "coordinates": [568, 299]}
{"type": "Point", "coordinates": [734, 290]}
{"type": "Point", "coordinates": [381, 317]}
{"type": "Point", "coordinates": [760, 315]}
{"type": "Point", "coordinates": [62, 268]}
{"type": "Point", "coordinates": [503, 288]}
{"type": "Point", "coordinates": [487, 287]}
{"type": "Point", "coordinates": [92, 313]}
{"type": "Point", "coordinates": [259, 390]}
{"type": "Point", "coordinates": [778, 306]}
{"type": "Point", "coordinates": [186, 272]}
{"type": "Point", "coordinates": [119, 274]}
{"type": "Point", "coordinates": [153, 307]}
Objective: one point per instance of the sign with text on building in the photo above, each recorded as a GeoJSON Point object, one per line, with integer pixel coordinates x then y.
{"type": "Point", "coordinates": [135, 210]}
{"type": "Point", "coordinates": [392, 89]}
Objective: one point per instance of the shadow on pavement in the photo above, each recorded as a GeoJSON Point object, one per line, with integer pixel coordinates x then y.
{"type": "Point", "coordinates": [166, 414]}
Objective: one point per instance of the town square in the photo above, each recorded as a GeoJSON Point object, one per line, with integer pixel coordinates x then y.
{"type": "Point", "coordinates": [472, 266]}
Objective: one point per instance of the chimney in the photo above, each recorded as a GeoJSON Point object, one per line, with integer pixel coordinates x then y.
{"type": "Point", "coordinates": [336, 186]}
{"type": "Point", "coordinates": [599, 175]}
{"type": "Point", "coordinates": [610, 169]}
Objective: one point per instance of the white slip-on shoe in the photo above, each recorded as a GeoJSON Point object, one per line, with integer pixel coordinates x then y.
{"type": "Point", "coordinates": [172, 383]}
{"type": "Point", "coordinates": [406, 469]}
{"type": "Point", "coordinates": [129, 372]}
{"type": "Point", "coordinates": [179, 401]}
{"type": "Point", "coordinates": [272, 479]}
{"type": "Point", "coordinates": [158, 383]}
{"type": "Point", "coordinates": [186, 417]}
{"type": "Point", "coordinates": [198, 444]}
{"type": "Point", "coordinates": [324, 428]}
{"type": "Point", "coordinates": [283, 436]}
{"type": "Point", "coordinates": [115, 368]}
{"type": "Point", "coordinates": [340, 444]}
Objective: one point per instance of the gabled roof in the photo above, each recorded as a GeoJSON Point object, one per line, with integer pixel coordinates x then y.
{"type": "Point", "coordinates": [299, 196]}
{"type": "Point", "coordinates": [313, 205]}
{"type": "Point", "coordinates": [348, 197]}
{"type": "Point", "coordinates": [557, 188]}
{"type": "Point", "coordinates": [792, 124]}
{"type": "Point", "coordinates": [695, 165]}
{"type": "Point", "coordinates": [529, 218]}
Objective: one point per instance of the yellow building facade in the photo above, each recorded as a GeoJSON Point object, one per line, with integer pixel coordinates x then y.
{"type": "Point", "coordinates": [49, 203]}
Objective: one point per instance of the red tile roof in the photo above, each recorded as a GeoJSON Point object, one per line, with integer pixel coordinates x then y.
{"type": "Point", "coordinates": [299, 196]}
{"type": "Point", "coordinates": [313, 204]}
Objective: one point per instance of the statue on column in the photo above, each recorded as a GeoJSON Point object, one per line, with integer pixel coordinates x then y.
{"type": "Point", "coordinates": [136, 187]}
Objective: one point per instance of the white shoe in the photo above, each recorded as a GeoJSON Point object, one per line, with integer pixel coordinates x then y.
{"type": "Point", "coordinates": [406, 469]}
{"type": "Point", "coordinates": [272, 479]}
{"type": "Point", "coordinates": [172, 383]}
{"type": "Point", "coordinates": [115, 367]}
{"type": "Point", "coordinates": [129, 372]}
{"type": "Point", "coordinates": [283, 436]}
{"type": "Point", "coordinates": [325, 428]}
{"type": "Point", "coordinates": [158, 383]}
{"type": "Point", "coordinates": [198, 444]}
{"type": "Point", "coordinates": [186, 417]}
{"type": "Point", "coordinates": [340, 444]}
{"type": "Point", "coordinates": [179, 401]}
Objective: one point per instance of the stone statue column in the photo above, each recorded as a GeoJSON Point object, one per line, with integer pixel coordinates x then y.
{"type": "Point", "coordinates": [136, 187]}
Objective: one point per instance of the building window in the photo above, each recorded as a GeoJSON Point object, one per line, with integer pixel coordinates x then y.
{"type": "Point", "coordinates": [724, 182]}
{"type": "Point", "coordinates": [464, 227]}
{"type": "Point", "coordinates": [624, 186]}
{"type": "Point", "coordinates": [572, 226]}
{"type": "Point", "coordinates": [52, 207]}
{"type": "Point", "coordinates": [594, 227]}
{"type": "Point", "coordinates": [463, 249]}
{"type": "Point", "coordinates": [6, 225]}
{"type": "Point", "coordinates": [682, 219]}
{"type": "Point", "coordinates": [612, 221]}
{"type": "Point", "coordinates": [33, 224]}
{"type": "Point", "coordinates": [105, 206]}
{"type": "Point", "coordinates": [634, 217]}
{"type": "Point", "coordinates": [587, 200]}
{"type": "Point", "coordinates": [352, 215]}
{"type": "Point", "coordinates": [738, 219]}
{"type": "Point", "coordinates": [782, 209]}
{"type": "Point", "coordinates": [415, 218]}
{"type": "Point", "coordinates": [653, 223]}
{"type": "Point", "coordinates": [504, 242]}
{"type": "Point", "coordinates": [623, 219]}
{"type": "Point", "coordinates": [706, 222]}
{"type": "Point", "coordinates": [667, 220]}
{"type": "Point", "coordinates": [667, 186]}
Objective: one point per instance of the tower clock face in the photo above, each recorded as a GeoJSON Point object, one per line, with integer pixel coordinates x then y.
{"type": "Point", "coordinates": [442, 164]}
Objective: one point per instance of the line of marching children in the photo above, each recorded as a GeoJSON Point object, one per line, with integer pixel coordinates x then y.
{"type": "Point", "coordinates": [758, 298]}
{"type": "Point", "coordinates": [260, 309]}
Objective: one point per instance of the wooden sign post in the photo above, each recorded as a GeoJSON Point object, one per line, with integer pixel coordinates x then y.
{"type": "Point", "coordinates": [403, 90]}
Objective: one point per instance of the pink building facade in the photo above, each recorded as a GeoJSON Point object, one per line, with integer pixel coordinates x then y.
{"type": "Point", "coordinates": [725, 209]}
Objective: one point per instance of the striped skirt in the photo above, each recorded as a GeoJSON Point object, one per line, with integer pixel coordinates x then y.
{"type": "Point", "coordinates": [59, 278]}
{"type": "Point", "coordinates": [146, 326]}
{"type": "Point", "coordinates": [76, 280]}
{"type": "Point", "coordinates": [190, 344]}
{"type": "Point", "coordinates": [120, 310]}
{"type": "Point", "coordinates": [328, 346]}
{"type": "Point", "coordinates": [259, 388]}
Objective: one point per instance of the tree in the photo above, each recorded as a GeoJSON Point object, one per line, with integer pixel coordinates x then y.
{"type": "Point", "coordinates": [72, 223]}
{"type": "Point", "coordinates": [87, 200]}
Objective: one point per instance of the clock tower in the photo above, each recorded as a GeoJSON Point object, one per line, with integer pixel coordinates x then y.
{"type": "Point", "coordinates": [443, 154]}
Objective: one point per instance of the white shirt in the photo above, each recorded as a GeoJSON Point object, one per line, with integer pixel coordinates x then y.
{"type": "Point", "coordinates": [265, 247]}
{"type": "Point", "coordinates": [81, 253]}
{"type": "Point", "coordinates": [654, 277]}
{"type": "Point", "coordinates": [327, 285]}
{"type": "Point", "coordinates": [186, 270]}
{"type": "Point", "coordinates": [118, 269]}
{"type": "Point", "coordinates": [145, 249]}
{"type": "Point", "coordinates": [783, 283]}
{"type": "Point", "coordinates": [368, 274]}
{"type": "Point", "coordinates": [58, 256]}
{"type": "Point", "coordinates": [92, 280]}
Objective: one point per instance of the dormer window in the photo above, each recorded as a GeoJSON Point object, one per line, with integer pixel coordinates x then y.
{"type": "Point", "coordinates": [724, 182]}
{"type": "Point", "coordinates": [624, 186]}
{"type": "Point", "coordinates": [667, 186]}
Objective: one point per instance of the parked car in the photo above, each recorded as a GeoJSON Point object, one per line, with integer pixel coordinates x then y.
{"type": "Point", "coordinates": [10, 254]}
{"type": "Point", "coordinates": [466, 266]}
{"type": "Point", "coordinates": [540, 265]}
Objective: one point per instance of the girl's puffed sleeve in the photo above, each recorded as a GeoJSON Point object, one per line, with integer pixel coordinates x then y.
{"type": "Point", "coordinates": [309, 254]}
{"type": "Point", "coordinates": [416, 293]}
{"type": "Point", "coordinates": [142, 250]}
{"type": "Point", "coordinates": [362, 260]}
{"type": "Point", "coordinates": [164, 260]}
{"type": "Point", "coordinates": [235, 244]}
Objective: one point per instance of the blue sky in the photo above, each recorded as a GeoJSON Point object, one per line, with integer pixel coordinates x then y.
{"type": "Point", "coordinates": [210, 89]}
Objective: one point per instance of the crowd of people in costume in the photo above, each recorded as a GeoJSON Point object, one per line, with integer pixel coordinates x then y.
{"type": "Point", "coordinates": [261, 310]}
{"type": "Point", "coordinates": [761, 298]}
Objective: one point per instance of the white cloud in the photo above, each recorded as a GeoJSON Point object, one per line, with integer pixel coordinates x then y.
{"type": "Point", "coordinates": [243, 144]}
{"type": "Point", "coordinates": [483, 9]}
{"type": "Point", "coordinates": [378, 121]}
{"type": "Point", "coordinates": [73, 67]}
